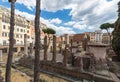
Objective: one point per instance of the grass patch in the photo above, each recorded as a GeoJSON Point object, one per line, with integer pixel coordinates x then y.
{"type": "Point", "coordinates": [16, 76]}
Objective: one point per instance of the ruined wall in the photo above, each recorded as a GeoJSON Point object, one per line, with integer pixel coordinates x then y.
{"type": "Point", "coordinates": [72, 72]}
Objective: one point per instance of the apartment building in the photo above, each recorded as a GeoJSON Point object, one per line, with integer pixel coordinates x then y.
{"type": "Point", "coordinates": [32, 32]}
{"type": "Point", "coordinates": [22, 27]}
{"type": "Point", "coordinates": [98, 36]}
{"type": "Point", "coordinates": [91, 36]}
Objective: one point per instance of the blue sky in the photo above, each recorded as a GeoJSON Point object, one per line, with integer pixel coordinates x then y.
{"type": "Point", "coordinates": [69, 16]}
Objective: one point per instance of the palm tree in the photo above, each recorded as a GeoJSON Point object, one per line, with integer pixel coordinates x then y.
{"type": "Point", "coordinates": [37, 42]}
{"type": "Point", "coordinates": [107, 26]}
{"type": "Point", "coordinates": [11, 42]}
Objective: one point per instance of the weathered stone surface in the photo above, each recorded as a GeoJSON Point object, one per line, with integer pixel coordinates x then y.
{"type": "Point", "coordinates": [67, 57]}
{"type": "Point", "coordinates": [31, 49]}
{"type": "Point", "coordinates": [72, 72]}
{"type": "Point", "coordinates": [25, 45]}
{"type": "Point", "coordinates": [54, 49]}
{"type": "Point", "coordinates": [1, 78]}
{"type": "Point", "coordinates": [45, 48]}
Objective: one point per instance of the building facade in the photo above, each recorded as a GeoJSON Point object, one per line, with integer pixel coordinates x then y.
{"type": "Point", "coordinates": [98, 36]}
{"type": "Point", "coordinates": [91, 36]}
{"type": "Point", "coordinates": [22, 27]}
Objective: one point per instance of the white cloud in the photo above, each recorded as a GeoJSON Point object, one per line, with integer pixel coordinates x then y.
{"type": "Point", "coordinates": [80, 26]}
{"type": "Point", "coordinates": [91, 27]}
{"type": "Point", "coordinates": [70, 23]}
{"type": "Point", "coordinates": [25, 14]}
{"type": "Point", "coordinates": [56, 21]}
{"type": "Point", "coordinates": [59, 29]}
{"type": "Point", "coordinates": [65, 30]}
{"type": "Point", "coordinates": [30, 4]}
{"type": "Point", "coordinates": [93, 13]}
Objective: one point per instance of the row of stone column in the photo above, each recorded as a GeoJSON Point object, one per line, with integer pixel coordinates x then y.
{"type": "Point", "coordinates": [46, 45]}
{"type": "Point", "coordinates": [67, 57]}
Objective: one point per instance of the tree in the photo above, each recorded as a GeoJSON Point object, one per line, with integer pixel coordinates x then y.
{"type": "Point", "coordinates": [11, 42]}
{"type": "Point", "coordinates": [49, 31]}
{"type": "Point", "coordinates": [107, 26]}
{"type": "Point", "coordinates": [116, 35]}
{"type": "Point", "coordinates": [37, 42]}
{"type": "Point", "coordinates": [47, 43]}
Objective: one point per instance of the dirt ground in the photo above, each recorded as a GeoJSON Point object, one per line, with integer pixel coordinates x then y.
{"type": "Point", "coordinates": [16, 76]}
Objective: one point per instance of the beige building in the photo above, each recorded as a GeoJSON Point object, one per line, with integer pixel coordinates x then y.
{"type": "Point", "coordinates": [91, 36]}
{"type": "Point", "coordinates": [106, 38]}
{"type": "Point", "coordinates": [22, 26]}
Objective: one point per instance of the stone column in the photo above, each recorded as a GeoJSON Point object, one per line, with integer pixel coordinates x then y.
{"type": "Point", "coordinates": [84, 44]}
{"type": "Point", "coordinates": [54, 49]}
{"type": "Point", "coordinates": [60, 47]}
{"type": "Point", "coordinates": [81, 63]}
{"type": "Point", "coordinates": [72, 54]}
{"type": "Point", "coordinates": [45, 48]}
{"type": "Point", "coordinates": [71, 42]}
{"type": "Point", "coordinates": [25, 45]}
{"type": "Point", "coordinates": [92, 62]}
{"type": "Point", "coordinates": [1, 56]}
{"type": "Point", "coordinates": [72, 59]}
{"type": "Point", "coordinates": [61, 44]}
{"type": "Point", "coordinates": [67, 59]}
{"type": "Point", "coordinates": [1, 78]}
{"type": "Point", "coordinates": [64, 58]}
{"type": "Point", "coordinates": [31, 49]}
{"type": "Point", "coordinates": [51, 49]}
{"type": "Point", "coordinates": [67, 39]}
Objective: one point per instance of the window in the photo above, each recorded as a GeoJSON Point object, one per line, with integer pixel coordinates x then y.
{"type": "Point", "coordinates": [22, 48]}
{"type": "Point", "coordinates": [18, 29]}
{"type": "Point", "coordinates": [4, 27]}
{"type": "Point", "coordinates": [4, 42]}
{"type": "Point", "coordinates": [20, 36]}
{"type": "Point", "coordinates": [17, 35]}
{"type": "Point", "coordinates": [21, 30]}
{"type": "Point", "coordinates": [15, 49]}
{"type": "Point", "coordinates": [4, 34]}
{"type": "Point", "coordinates": [4, 50]}
{"type": "Point", "coordinates": [27, 31]}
